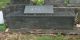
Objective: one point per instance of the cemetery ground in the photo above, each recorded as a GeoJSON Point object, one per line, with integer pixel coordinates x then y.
{"type": "Point", "coordinates": [27, 36]}
{"type": "Point", "coordinates": [24, 36]}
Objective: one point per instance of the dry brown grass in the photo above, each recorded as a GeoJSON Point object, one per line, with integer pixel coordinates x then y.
{"type": "Point", "coordinates": [15, 36]}
{"type": "Point", "coordinates": [20, 36]}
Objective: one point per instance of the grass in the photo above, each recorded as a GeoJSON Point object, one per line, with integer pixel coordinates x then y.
{"type": "Point", "coordinates": [3, 3]}
{"type": "Point", "coordinates": [44, 38]}
{"type": "Point", "coordinates": [57, 37]}
{"type": "Point", "coordinates": [20, 36]}
{"type": "Point", "coordinates": [38, 2]}
{"type": "Point", "coordinates": [2, 27]}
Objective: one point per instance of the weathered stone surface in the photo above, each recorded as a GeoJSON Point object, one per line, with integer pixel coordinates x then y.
{"type": "Point", "coordinates": [61, 18]}
{"type": "Point", "coordinates": [39, 9]}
